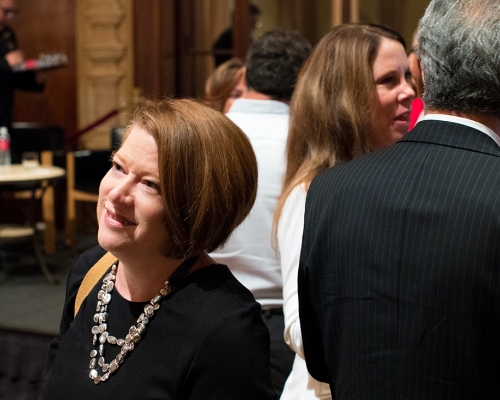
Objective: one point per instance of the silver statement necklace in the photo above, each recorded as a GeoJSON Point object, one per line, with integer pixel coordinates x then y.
{"type": "Point", "coordinates": [127, 345]}
{"type": "Point", "coordinates": [101, 335]}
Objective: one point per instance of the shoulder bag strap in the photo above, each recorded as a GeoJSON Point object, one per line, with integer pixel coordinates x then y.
{"type": "Point", "coordinates": [92, 277]}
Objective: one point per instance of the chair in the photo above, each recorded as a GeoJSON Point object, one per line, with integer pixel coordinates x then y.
{"type": "Point", "coordinates": [43, 139]}
{"type": "Point", "coordinates": [48, 208]}
{"type": "Point", "coordinates": [11, 234]}
{"type": "Point", "coordinates": [84, 171]}
{"type": "Point", "coordinates": [46, 195]}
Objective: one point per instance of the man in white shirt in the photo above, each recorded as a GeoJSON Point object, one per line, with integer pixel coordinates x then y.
{"type": "Point", "coordinates": [399, 277]}
{"type": "Point", "coordinates": [272, 65]}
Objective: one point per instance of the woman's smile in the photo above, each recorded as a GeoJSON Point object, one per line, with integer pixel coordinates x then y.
{"type": "Point", "coordinates": [114, 218]}
{"type": "Point", "coordinates": [130, 209]}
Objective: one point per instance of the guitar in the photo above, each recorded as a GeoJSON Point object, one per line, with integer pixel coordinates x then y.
{"type": "Point", "coordinates": [45, 61]}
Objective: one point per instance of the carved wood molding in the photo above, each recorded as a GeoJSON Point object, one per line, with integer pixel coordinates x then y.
{"type": "Point", "coordinates": [105, 59]}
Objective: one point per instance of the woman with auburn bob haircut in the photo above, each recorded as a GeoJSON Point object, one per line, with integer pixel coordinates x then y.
{"type": "Point", "coordinates": [353, 96]}
{"type": "Point", "coordinates": [162, 320]}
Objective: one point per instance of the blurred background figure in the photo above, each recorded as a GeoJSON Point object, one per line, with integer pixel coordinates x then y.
{"type": "Point", "coordinates": [10, 56]}
{"type": "Point", "coordinates": [224, 44]}
{"type": "Point", "coordinates": [353, 95]}
{"type": "Point", "coordinates": [272, 65]}
{"type": "Point", "coordinates": [226, 84]}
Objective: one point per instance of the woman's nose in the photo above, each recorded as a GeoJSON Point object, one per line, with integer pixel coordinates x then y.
{"type": "Point", "coordinates": [407, 91]}
{"type": "Point", "coordinates": [121, 192]}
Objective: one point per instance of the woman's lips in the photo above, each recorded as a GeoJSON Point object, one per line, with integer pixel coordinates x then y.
{"type": "Point", "coordinates": [403, 118]}
{"type": "Point", "coordinates": [119, 218]}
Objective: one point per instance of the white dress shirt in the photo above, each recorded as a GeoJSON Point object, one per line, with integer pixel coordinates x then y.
{"type": "Point", "coordinates": [249, 253]}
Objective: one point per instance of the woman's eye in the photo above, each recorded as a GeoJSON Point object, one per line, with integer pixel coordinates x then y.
{"type": "Point", "coordinates": [116, 166]}
{"type": "Point", "coordinates": [151, 184]}
{"type": "Point", "coordinates": [235, 94]}
{"type": "Point", "coordinates": [387, 80]}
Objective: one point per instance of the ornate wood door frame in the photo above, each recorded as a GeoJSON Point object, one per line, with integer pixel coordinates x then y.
{"type": "Point", "coordinates": [104, 47]}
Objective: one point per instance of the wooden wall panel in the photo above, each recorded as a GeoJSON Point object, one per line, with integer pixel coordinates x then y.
{"type": "Point", "coordinates": [168, 34]}
{"type": "Point", "coordinates": [44, 26]}
{"type": "Point", "coordinates": [148, 49]}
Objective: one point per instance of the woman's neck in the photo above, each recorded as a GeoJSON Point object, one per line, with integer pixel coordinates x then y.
{"type": "Point", "coordinates": [140, 279]}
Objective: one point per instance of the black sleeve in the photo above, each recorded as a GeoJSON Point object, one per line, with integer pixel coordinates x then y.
{"type": "Point", "coordinates": [78, 270]}
{"type": "Point", "coordinates": [26, 81]}
{"type": "Point", "coordinates": [233, 360]}
{"type": "Point", "coordinates": [5, 70]}
{"type": "Point", "coordinates": [20, 80]}
{"type": "Point", "coordinates": [309, 292]}
{"type": "Point", "coordinates": [8, 43]}
{"type": "Point", "coordinates": [311, 332]}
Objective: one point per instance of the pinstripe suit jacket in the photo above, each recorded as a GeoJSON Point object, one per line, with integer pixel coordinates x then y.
{"type": "Point", "coordinates": [399, 280]}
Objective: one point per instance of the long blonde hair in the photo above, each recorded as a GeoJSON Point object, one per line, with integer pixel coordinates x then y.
{"type": "Point", "coordinates": [333, 105]}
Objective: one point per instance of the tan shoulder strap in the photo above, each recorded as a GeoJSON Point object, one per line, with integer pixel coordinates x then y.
{"type": "Point", "coordinates": [92, 277]}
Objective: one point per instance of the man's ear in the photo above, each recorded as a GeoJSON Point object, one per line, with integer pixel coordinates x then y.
{"type": "Point", "coordinates": [416, 73]}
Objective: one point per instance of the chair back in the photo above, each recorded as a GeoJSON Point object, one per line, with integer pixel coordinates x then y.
{"type": "Point", "coordinates": [90, 166]}
{"type": "Point", "coordinates": [27, 136]}
{"type": "Point", "coordinates": [84, 172]}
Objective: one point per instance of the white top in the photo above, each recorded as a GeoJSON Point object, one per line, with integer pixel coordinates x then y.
{"type": "Point", "coordinates": [299, 385]}
{"type": "Point", "coordinates": [249, 253]}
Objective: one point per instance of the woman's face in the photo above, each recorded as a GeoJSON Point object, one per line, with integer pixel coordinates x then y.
{"type": "Point", "coordinates": [395, 94]}
{"type": "Point", "coordinates": [130, 208]}
{"type": "Point", "coordinates": [238, 91]}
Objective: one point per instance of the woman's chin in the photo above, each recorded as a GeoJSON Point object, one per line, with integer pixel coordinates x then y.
{"type": "Point", "coordinates": [109, 240]}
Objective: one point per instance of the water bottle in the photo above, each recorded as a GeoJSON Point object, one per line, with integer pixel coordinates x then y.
{"type": "Point", "coordinates": [5, 159]}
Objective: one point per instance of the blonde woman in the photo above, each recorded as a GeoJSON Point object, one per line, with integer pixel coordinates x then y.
{"type": "Point", "coordinates": [353, 96]}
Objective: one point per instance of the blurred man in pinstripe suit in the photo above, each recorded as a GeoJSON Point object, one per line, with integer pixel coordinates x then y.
{"type": "Point", "coordinates": [399, 280]}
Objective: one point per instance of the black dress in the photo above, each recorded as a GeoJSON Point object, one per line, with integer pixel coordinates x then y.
{"type": "Point", "coordinates": [207, 341]}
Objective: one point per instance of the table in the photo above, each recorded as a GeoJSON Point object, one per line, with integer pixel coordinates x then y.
{"type": "Point", "coordinates": [17, 178]}
{"type": "Point", "coordinates": [16, 174]}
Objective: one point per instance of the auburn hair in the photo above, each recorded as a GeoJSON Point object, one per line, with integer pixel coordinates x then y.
{"type": "Point", "coordinates": [207, 169]}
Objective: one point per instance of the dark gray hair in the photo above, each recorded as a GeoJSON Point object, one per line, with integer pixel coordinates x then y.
{"type": "Point", "coordinates": [274, 61]}
{"type": "Point", "coordinates": [459, 48]}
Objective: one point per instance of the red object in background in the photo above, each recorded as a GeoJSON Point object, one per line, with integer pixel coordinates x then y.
{"type": "Point", "coordinates": [104, 118]}
{"type": "Point", "coordinates": [416, 109]}
{"type": "Point", "coordinates": [46, 61]}
{"type": "Point", "coordinates": [30, 64]}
